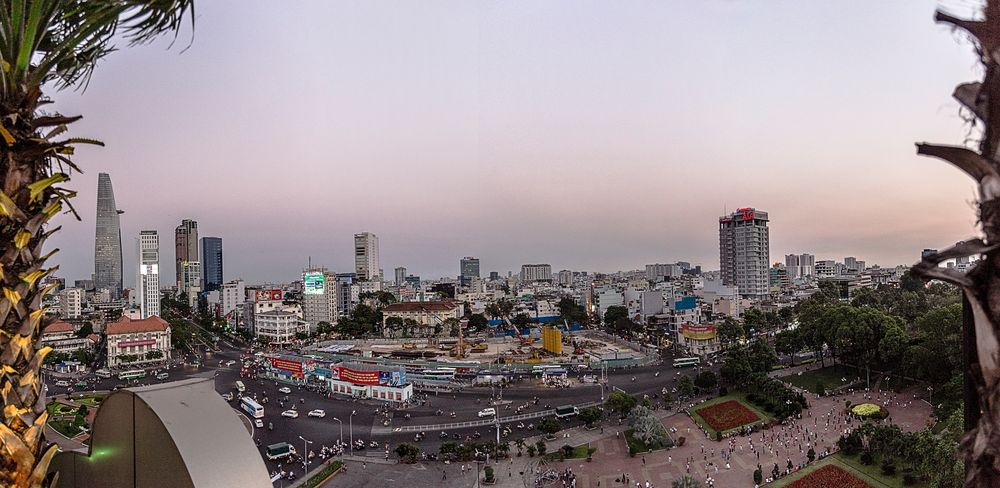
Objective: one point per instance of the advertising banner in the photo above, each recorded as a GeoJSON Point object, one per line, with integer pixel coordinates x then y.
{"type": "Point", "coordinates": [293, 367]}
{"type": "Point", "coordinates": [698, 332]}
{"type": "Point", "coordinates": [268, 296]}
{"type": "Point", "coordinates": [313, 283]}
{"type": "Point", "coordinates": [359, 377]}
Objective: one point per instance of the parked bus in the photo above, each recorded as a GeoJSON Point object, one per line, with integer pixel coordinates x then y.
{"type": "Point", "coordinates": [133, 374]}
{"type": "Point", "coordinates": [240, 387]}
{"type": "Point", "coordinates": [252, 408]}
{"type": "Point", "coordinates": [566, 411]}
{"type": "Point", "coordinates": [539, 370]}
{"type": "Point", "coordinates": [279, 450]}
{"type": "Point", "coordinates": [686, 362]}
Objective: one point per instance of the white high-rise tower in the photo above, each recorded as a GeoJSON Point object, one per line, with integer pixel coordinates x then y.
{"type": "Point", "coordinates": [366, 263]}
{"type": "Point", "coordinates": [148, 281]}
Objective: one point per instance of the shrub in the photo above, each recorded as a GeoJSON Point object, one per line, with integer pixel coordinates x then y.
{"type": "Point", "coordinates": [888, 468]}
{"type": "Point", "coordinates": [680, 441]}
{"type": "Point", "coordinates": [758, 477]}
{"type": "Point", "coordinates": [811, 455]}
{"type": "Point", "coordinates": [531, 450]}
{"type": "Point", "coordinates": [909, 479]}
{"type": "Point", "coordinates": [867, 459]}
{"type": "Point", "coordinates": [489, 473]}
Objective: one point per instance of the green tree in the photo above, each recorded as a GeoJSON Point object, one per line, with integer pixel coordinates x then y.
{"type": "Point", "coordinates": [706, 380]}
{"type": "Point", "coordinates": [477, 321]}
{"type": "Point", "coordinates": [589, 415]}
{"type": "Point", "coordinates": [685, 386]}
{"type": "Point", "coordinates": [730, 331]}
{"type": "Point", "coordinates": [532, 449]}
{"type": "Point", "coordinates": [572, 312]}
{"type": "Point", "coordinates": [613, 313]}
{"type": "Point", "coordinates": [407, 452]}
{"type": "Point", "coordinates": [736, 367]}
{"type": "Point", "coordinates": [685, 481]}
{"type": "Point", "coordinates": [540, 447]}
{"type": "Point", "coordinates": [85, 330]}
{"type": "Point", "coordinates": [621, 402]}
{"type": "Point", "coordinates": [789, 342]}
{"type": "Point", "coordinates": [323, 327]}
{"type": "Point", "coordinates": [762, 356]}
{"type": "Point", "coordinates": [46, 45]}
{"type": "Point", "coordinates": [754, 320]}
{"type": "Point", "coordinates": [84, 356]}
{"type": "Point", "coordinates": [549, 426]}
{"type": "Point", "coordinates": [522, 320]}
{"type": "Point", "coordinates": [488, 474]}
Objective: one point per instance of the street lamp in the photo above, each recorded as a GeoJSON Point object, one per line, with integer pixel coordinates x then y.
{"type": "Point", "coordinates": [341, 429]}
{"type": "Point", "coordinates": [350, 423]}
{"type": "Point", "coordinates": [305, 455]}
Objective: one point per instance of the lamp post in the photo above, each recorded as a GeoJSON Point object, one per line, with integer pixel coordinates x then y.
{"type": "Point", "coordinates": [341, 429]}
{"type": "Point", "coordinates": [305, 455]}
{"type": "Point", "coordinates": [350, 423]}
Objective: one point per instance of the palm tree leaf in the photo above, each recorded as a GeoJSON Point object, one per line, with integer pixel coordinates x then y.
{"type": "Point", "coordinates": [42, 467]}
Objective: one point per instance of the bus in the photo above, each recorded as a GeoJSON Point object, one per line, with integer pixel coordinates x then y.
{"type": "Point", "coordinates": [566, 411]}
{"type": "Point", "coordinates": [133, 374]}
{"type": "Point", "coordinates": [251, 407]}
{"type": "Point", "coordinates": [686, 362]}
{"type": "Point", "coordinates": [539, 370]}
{"type": "Point", "coordinates": [240, 387]}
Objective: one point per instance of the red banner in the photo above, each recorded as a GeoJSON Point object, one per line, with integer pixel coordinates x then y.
{"type": "Point", "coordinates": [359, 377]}
{"type": "Point", "coordinates": [136, 343]}
{"type": "Point", "coordinates": [294, 367]}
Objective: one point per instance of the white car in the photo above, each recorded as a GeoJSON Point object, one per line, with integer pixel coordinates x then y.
{"type": "Point", "coordinates": [259, 423]}
{"type": "Point", "coordinates": [284, 389]}
{"type": "Point", "coordinates": [292, 414]}
{"type": "Point", "coordinates": [62, 383]}
{"type": "Point", "coordinates": [487, 412]}
{"type": "Point", "coordinates": [317, 413]}
{"type": "Point", "coordinates": [227, 397]}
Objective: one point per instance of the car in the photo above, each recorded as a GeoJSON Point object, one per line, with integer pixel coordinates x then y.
{"type": "Point", "coordinates": [317, 413]}
{"type": "Point", "coordinates": [292, 414]}
{"type": "Point", "coordinates": [227, 397]}
{"type": "Point", "coordinates": [62, 383]}
{"type": "Point", "coordinates": [258, 423]}
{"type": "Point", "coordinates": [487, 412]}
{"type": "Point", "coordinates": [284, 389]}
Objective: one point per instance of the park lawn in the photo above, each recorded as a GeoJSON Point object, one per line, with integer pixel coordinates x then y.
{"type": "Point", "coordinates": [579, 452]}
{"type": "Point", "coordinates": [869, 474]}
{"type": "Point", "coordinates": [831, 376]}
{"type": "Point", "coordinates": [89, 400]}
{"type": "Point", "coordinates": [737, 396]}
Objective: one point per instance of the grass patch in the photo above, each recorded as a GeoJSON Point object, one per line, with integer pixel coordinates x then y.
{"type": "Point", "coordinates": [737, 396]}
{"type": "Point", "coordinates": [321, 476]}
{"type": "Point", "coordinates": [831, 377]}
{"type": "Point", "coordinates": [579, 452]}
{"type": "Point", "coordinates": [869, 474]}
{"type": "Point", "coordinates": [68, 428]}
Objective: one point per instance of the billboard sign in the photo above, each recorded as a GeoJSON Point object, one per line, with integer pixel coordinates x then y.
{"type": "Point", "coordinates": [359, 377]}
{"type": "Point", "coordinates": [267, 295]}
{"type": "Point", "coordinates": [293, 367]}
{"type": "Point", "coordinates": [698, 332]}
{"type": "Point", "coordinates": [313, 283]}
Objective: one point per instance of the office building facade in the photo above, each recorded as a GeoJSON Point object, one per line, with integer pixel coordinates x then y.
{"type": "Point", "coordinates": [108, 240]}
{"type": "Point", "coordinates": [536, 272]}
{"type": "Point", "coordinates": [469, 267]}
{"type": "Point", "coordinates": [148, 280]}
{"type": "Point", "coordinates": [211, 263]}
{"type": "Point", "coordinates": [366, 262]}
{"type": "Point", "coordinates": [744, 251]}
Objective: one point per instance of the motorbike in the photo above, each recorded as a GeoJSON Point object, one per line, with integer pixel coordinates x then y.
{"type": "Point", "coordinates": [452, 414]}
{"type": "Point", "coordinates": [443, 435]}
{"type": "Point", "coordinates": [520, 425]}
{"type": "Point", "coordinates": [373, 444]}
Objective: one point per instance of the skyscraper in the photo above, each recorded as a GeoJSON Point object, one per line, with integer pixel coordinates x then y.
{"type": "Point", "coordinates": [366, 263]}
{"type": "Point", "coordinates": [148, 282]}
{"type": "Point", "coordinates": [211, 263]}
{"type": "Point", "coordinates": [319, 303]}
{"type": "Point", "coordinates": [469, 267]}
{"type": "Point", "coordinates": [187, 260]}
{"type": "Point", "coordinates": [400, 276]}
{"type": "Point", "coordinates": [744, 251]}
{"type": "Point", "coordinates": [108, 241]}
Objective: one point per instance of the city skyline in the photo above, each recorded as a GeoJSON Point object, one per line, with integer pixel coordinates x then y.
{"type": "Point", "coordinates": [541, 141]}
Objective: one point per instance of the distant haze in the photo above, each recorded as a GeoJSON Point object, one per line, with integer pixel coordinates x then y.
{"type": "Point", "coordinates": [589, 135]}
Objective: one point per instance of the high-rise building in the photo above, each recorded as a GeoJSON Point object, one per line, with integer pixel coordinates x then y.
{"type": "Point", "coordinates": [744, 251]}
{"type": "Point", "coordinates": [71, 300]}
{"type": "Point", "coordinates": [469, 267]}
{"type": "Point", "coordinates": [233, 295]}
{"type": "Point", "coordinates": [400, 275]}
{"type": "Point", "coordinates": [319, 297]}
{"type": "Point", "coordinates": [211, 263]}
{"type": "Point", "coordinates": [366, 263]}
{"type": "Point", "coordinates": [108, 241]}
{"type": "Point", "coordinates": [147, 283]}
{"type": "Point", "coordinates": [187, 259]}
{"type": "Point", "coordinates": [536, 272]}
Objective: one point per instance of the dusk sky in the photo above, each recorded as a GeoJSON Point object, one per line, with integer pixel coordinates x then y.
{"type": "Point", "coordinates": [589, 135]}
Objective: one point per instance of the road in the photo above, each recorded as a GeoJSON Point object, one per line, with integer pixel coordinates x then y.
{"type": "Point", "coordinates": [466, 404]}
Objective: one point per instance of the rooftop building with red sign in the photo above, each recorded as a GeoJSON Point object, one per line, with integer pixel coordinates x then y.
{"type": "Point", "coordinates": [744, 252]}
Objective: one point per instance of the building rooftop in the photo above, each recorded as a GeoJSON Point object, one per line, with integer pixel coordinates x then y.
{"type": "Point", "coordinates": [126, 325]}
{"type": "Point", "coordinates": [440, 306]}
{"type": "Point", "coordinates": [58, 327]}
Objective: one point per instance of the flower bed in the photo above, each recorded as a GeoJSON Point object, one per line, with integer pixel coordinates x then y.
{"type": "Point", "coordinates": [829, 476]}
{"type": "Point", "coordinates": [869, 411]}
{"type": "Point", "coordinates": [727, 415]}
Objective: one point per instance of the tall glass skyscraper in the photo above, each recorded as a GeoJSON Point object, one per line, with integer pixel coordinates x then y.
{"type": "Point", "coordinates": [211, 263]}
{"type": "Point", "coordinates": [108, 242]}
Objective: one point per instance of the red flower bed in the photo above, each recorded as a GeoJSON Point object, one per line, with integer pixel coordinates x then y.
{"type": "Point", "coordinates": [829, 476]}
{"type": "Point", "coordinates": [727, 415]}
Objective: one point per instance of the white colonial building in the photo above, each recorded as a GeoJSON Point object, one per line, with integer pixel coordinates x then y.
{"type": "Point", "coordinates": [128, 337]}
{"type": "Point", "coordinates": [61, 337]}
{"type": "Point", "coordinates": [278, 326]}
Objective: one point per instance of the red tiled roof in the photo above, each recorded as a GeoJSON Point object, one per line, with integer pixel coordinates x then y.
{"type": "Point", "coordinates": [126, 325]}
{"type": "Point", "coordinates": [94, 338]}
{"type": "Point", "coordinates": [58, 327]}
{"type": "Point", "coordinates": [441, 306]}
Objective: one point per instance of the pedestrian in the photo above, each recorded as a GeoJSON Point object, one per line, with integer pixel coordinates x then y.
{"type": "Point", "coordinates": [644, 460]}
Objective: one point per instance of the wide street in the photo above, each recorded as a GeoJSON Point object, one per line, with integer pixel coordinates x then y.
{"type": "Point", "coordinates": [364, 421]}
